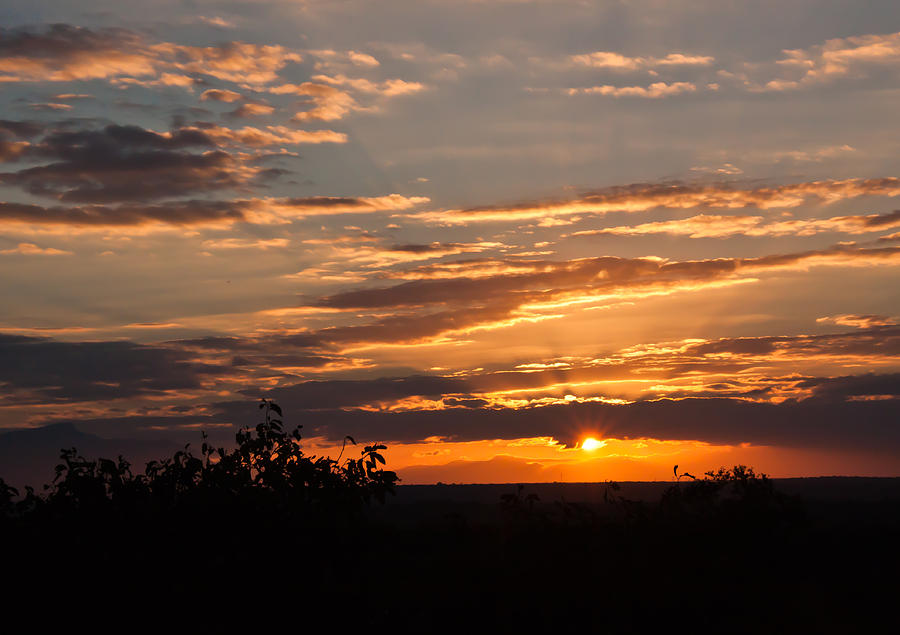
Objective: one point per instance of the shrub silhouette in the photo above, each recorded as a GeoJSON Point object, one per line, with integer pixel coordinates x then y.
{"type": "Point", "coordinates": [267, 470]}
{"type": "Point", "coordinates": [736, 495]}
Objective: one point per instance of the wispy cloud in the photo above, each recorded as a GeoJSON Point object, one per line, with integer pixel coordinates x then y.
{"type": "Point", "coordinates": [195, 212]}
{"type": "Point", "coordinates": [718, 226]}
{"type": "Point", "coordinates": [641, 197]}
{"type": "Point", "coordinates": [610, 60]}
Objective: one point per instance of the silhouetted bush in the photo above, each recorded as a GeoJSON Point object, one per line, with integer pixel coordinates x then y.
{"type": "Point", "coordinates": [267, 472]}
{"type": "Point", "coordinates": [735, 496]}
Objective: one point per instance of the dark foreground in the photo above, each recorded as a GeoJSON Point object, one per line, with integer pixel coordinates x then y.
{"type": "Point", "coordinates": [261, 536]}
{"type": "Point", "coordinates": [447, 558]}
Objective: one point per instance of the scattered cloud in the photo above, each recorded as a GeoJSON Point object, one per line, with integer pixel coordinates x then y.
{"type": "Point", "coordinates": [61, 52]}
{"type": "Point", "coordinates": [656, 90]}
{"type": "Point", "coordinates": [386, 88]}
{"type": "Point", "coordinates": [328, 103]}
{"type": "Point", "coordinates": [609, 60]}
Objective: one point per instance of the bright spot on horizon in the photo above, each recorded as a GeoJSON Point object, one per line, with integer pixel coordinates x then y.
{"type": "Point", "coordinates": [590, 444]}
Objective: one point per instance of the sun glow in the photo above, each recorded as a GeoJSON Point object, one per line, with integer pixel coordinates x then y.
{"type": "Point", "coordinates": [590, 444]}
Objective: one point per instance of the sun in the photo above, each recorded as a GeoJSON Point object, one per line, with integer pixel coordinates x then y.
{"type": "Point", "coordinates": [590, 444]}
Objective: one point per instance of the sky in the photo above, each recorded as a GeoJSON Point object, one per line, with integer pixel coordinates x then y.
{"type": "Point", "coordinates": [480, 232]}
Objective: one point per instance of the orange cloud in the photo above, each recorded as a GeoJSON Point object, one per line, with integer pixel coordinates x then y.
{"type": "Point", "coordinates": [852, 57]}
{"type": "Point", "coordinates": [387, 88]}
{"type": "Point", "coordinates": [329, 103]}
{"type": "Point", "coordinates": [30, 249]}
{"type": "Point", "coordinates": [237, 62]}
{"type": "Point", "coordinates": [270, 136]}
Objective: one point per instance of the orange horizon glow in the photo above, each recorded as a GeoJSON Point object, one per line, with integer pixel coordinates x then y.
{"type": "Point", "coordinates": [543, 459]}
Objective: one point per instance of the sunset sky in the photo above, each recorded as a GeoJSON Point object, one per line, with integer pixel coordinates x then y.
{"type": "Point", "coordinates": [477, 231]}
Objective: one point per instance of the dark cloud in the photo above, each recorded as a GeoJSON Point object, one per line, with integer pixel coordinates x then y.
{"type": "Point", "coordinates": [61, 41]}
{"type": "Point", "coordinates": [463, 289]}
{"type": "Point", "coordinates": [216, 94]}
{"type": "Point", "coordinates": [175, 213]}
{"type": "Point", "coordinates": [41, 370]}
{"type": "Point", "coordinates": [882, 341]}
{"type": "Point", "coordinates": [319, 395]}
{"type": "Point", "coordinates": [90, 145]}
{"type": "Point", "coordinates": [138, 177]}
{"type": "Point", "coordinates": [125, 163]}
{"type": "Point", "coordinates": [20, 129]}
{"type": "Point", "coordinates": [404, 327]}
{"type": "Point", "coordinates": [847, 411]}
{"type": "Point", "coordinates": [812, 423]}
{"type": "Point", "coordinates": [883, 219]}
{"type": "Point", "coordinates": [855, 387]}
{"type": "Point", "coordinates": [184, 212]}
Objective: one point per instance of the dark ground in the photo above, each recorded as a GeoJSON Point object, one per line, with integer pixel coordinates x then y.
{"type": "Point", "coordinates": [445, 558]}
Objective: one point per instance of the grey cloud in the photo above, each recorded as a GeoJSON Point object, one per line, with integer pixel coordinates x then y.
{"type": "Point", "coordinates": [61, 40]}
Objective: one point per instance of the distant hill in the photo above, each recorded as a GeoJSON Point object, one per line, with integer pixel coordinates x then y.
{"type": "Point", "coordinates": [28, 456]}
